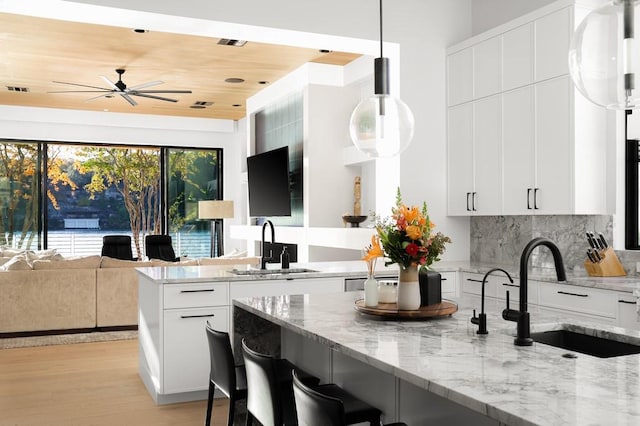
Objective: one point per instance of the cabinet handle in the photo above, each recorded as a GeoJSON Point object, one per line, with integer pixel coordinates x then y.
{"type": "Point", "coordinates": [443, 279]}
{"type": "Point", "coordinates": [197, 316]}
{"type": "Point", "coordinates": [198, 291]}
{"type": "Point", "coordinates": [528, 198]}
{"type": "Point", "coordinates": [468, 208]}
{"type": "Point", "coordinates": [535, 198]}
{"type": "Point", "coordinates": [510, 285]}
{"type": "Point", "coordinates": [573, 294]}
{"type": "Point", "coordinates": [474, 280]}
{"type": "Point", "coordinates": [627, 302]}
{"type": "Point", "coordinates": [473, 201]}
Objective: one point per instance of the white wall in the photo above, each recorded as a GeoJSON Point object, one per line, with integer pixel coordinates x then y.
{"type": "Point", "coordinates": [487, 14]}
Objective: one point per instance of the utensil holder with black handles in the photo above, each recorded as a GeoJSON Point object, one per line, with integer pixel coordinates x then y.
{"type": "Point", "coordinates": [608, 266]}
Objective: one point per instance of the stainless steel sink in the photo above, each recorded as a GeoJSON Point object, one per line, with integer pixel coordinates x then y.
{"type": "Point", "coordinates": [272, 271]}
{"type": "Point", "coordinates": [577, 339]}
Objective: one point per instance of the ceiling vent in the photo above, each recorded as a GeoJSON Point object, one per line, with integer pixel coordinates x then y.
{"type": "Point", "coordinates": [232, 42]}
{"type": "Point", "coordinates": [17, 89]}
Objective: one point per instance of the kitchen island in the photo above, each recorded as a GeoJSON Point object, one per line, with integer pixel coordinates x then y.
{"type": "Point", "coordinates": [442, 372]}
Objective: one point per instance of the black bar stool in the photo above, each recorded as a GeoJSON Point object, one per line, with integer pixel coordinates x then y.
{"type": "Point", "coordinates": [270, 389]}
{"type": "Point", "coordinates": [330, 405]}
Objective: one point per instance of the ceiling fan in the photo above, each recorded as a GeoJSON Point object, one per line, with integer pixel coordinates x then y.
{"type": "Point", "coordinates": [119, 88]}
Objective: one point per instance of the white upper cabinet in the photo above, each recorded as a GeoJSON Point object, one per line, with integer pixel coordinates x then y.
{"type": "Point", "coordinates": [535, 139]}
{"type": "Point", "coordinates": [460, 76]}
{"type": "Point", "coordinates": [460, 164]}
{"type": "Point", "coordinates": [517, 57]}
{"type": "Point", "coordinates": [552, 38]}
{"type": "Point", "coordinates": [518, 150]}
{"type": "Point", "coordinates": [487, 68]}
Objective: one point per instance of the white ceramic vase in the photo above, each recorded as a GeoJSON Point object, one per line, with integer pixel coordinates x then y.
{"type": "Point", "coordinates": [371, 292]}
{"type": "Point", "coordinates": [408, 289]}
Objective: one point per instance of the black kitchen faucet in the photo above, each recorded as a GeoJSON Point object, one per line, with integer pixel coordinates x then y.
{"type": "Point", "coordinates": [521, 316]}
{"type": "Point", "coordinates": [481, 320]}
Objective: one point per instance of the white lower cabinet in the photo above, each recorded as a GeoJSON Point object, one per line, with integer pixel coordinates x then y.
{"type": "Point", "coordinates": [596, 303]}
{"type": "Point", "coordinates": [628, 311]}
{"type": "Point", "coordinates": [449, 284]}
{"type": "Point", "coordinates": [186, 350]}
{"type": "Point", "coordinates": [496, 287]}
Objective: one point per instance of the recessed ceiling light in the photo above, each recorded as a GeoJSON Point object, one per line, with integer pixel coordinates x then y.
{"type": "Point", "coordinates": [263, 82]}
{"type": "Point", "coordinates": [234, 80]}
{"type": "Point", "coordinates": [108, 96]}
{"type": "Point", "coordinates": [236, 105]}
{"type": "Point", "coordinates": [325, 51]}
{"type": "Point", "coordinates": [140, 30]}
{"type": "Point", "coordinates": [232, 42]}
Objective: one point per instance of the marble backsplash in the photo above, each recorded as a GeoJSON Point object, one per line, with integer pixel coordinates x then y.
{"type": "Point", "coordinates": [500, 239]}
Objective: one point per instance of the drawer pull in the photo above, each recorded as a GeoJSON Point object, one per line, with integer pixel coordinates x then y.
{"type": "Point", "coordinates": [443, 279]}
{"type": "Point", "coordinates": [573, 294]}
{"type": "Point", "coordinates": [627, 302]}
{"type": "Point", "coordinates": [198, 291]}
{"type": "Point", "coordinates": [197, 316]}
{"type": "Point", "coordinates": [474, 280]}
{"type": "Point", "coordinates": [510, 285]}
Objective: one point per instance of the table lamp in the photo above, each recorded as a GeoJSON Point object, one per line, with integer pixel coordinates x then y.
{"type": "Point", "coordinates": [216, 210]}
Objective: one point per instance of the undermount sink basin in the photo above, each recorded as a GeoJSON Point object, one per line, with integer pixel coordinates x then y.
{"type": "Point", "coordinates": [577, 341]}
{"type": "Point", "coordinates": [272, 271]}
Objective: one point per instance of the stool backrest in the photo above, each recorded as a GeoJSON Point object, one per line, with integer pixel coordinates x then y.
{"type": "Point", "coordinates": [316, 409]}
{"type": "Point", "coordinates": [117, 247]}
{"type": "Point", "coordinates": [263, 393]}
{"type": "Point", "coordinates": [222, 371]}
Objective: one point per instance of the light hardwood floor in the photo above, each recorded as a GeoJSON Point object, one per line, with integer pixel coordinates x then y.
{"type": "Point", "coordinates": [86, 384]}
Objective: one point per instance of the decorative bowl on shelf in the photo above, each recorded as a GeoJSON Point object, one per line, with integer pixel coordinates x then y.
{"type": "Point", "coordinates": [354, 221]}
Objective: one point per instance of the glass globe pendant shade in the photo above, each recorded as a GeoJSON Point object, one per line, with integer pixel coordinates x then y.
{"type": "Point", "coordinates": [604, 56]}
{"type": "Point", "coordinates": [381, 126]}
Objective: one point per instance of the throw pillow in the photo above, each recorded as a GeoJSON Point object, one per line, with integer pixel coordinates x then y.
{"type": "Point", "coordinates": [85, 262]}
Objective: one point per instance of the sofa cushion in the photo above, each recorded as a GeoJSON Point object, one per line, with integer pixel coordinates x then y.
{"type": "Point", "coordinates": [18, 262]}
{"type": "Point", "coordinates": [251, 260]}
{"type": "Point", "coordinates": [110, 262]}
{"type": "Point", "coordinates": [85, 262]}
{"type": "Point", "coordinates": [182, 262]}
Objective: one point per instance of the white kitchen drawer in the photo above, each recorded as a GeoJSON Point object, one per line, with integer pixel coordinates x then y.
{"type": "Point", "coordinates": [579, 299]}
{"type": "Point", "coordinates": [449, 283]}
{"type": "Point", "coordinates": [472, 284]}
{"type": "Point", "coordinates": [239, 289]}
{"type": "Point", "coordinates": [186, 349]}
{"type": "Point", "coordinates": [503, 285]}
{"type": "Point", "coordinates": [195, 295]}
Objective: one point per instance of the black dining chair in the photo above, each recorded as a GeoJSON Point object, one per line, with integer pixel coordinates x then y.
{"type": "Point", "coordinates": [225, 375]}
{"type": "Point", "coordinates": [117, 247]}
{"type": "Point", "coordinates": [270, 388]}
{"type": "Point", "coordinates": [160, 247]}
{"type": "Point", "coordinates": [324, 405]}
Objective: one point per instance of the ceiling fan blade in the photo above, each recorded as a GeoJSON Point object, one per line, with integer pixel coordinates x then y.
{"type": "Point", "coordinates": [110, 83]}
{"type": "Point", "coordinates": [149, 84]}
{"type": "Point", "coordinates": [161, 91]}
{"type": "Point", "coordinates": [106, 91]}
{"type": "Point", "coordinates": [153, 97]}
{"type": "Point", "coordinates": [98, 97]}
{"type": "Point", "coordinates": [128, 98]}
{"type": "Point", "coordinates": [81, 85]}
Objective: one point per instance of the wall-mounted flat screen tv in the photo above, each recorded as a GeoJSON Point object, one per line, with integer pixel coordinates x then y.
{"type": "Point", "coordinates": [268, 179]}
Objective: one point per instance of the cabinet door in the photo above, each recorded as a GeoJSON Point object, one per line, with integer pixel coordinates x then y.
{"type": "Point", "coordinates": [487, 68]}
{"type": "Point", "coordinates": [628, 311]}
{"type": "Point", "coordinates": [518, 148]}
{"type": "Point", "coordinates": [186, 350]}
{"type": "Point", "coordinates": [460, 160]}
{"type": "Point", "coordinates": [554, 147]}
{"type": "Point", "coordinates": [460, 76]}
{"type": "Point", "coordinates": [517, 57]}
{"type": "Point", "coordinates": [590, 301]}
{"type": "Point", "coordinates": [472, 284]}
{"type": "Point", "coordinates": [552, 37]}
{"type": "Point", "coordinates": [487, 156]}
{"type": "Point", "coordinates": [449, 284]}
{"type": "Point", "coordinates": [240, 289]}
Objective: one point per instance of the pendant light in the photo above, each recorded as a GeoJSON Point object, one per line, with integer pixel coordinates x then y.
{"type": "Point", "coordinates": [381, 126]}
{"type": "Point", "coordinates": [604, 57]}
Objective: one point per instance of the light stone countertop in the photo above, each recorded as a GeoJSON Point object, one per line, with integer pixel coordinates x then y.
{"type": "Point", "coordinates": [514, 385]}
{"type": "Point", "coordinates": [356, 268]}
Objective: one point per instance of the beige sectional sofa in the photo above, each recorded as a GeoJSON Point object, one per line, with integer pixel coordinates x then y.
{"type": "Point", "coordinates": [88, 292]}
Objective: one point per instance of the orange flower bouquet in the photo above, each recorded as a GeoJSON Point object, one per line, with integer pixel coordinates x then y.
{"type": "Point", "coordinates": [407, 236]}
{"type": "Point", "coordinates": [372, 253]}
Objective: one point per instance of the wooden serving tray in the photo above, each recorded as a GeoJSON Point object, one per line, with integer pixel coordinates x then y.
{"type": "Point", "coordinates": [390, 310]}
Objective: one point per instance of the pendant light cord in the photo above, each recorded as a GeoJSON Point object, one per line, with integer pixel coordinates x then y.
{"type": "Point", "coordinates": [381, 28]}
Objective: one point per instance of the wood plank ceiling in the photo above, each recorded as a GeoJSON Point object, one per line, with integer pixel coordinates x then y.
{"type": "Point", "coordinates": [35, 52]}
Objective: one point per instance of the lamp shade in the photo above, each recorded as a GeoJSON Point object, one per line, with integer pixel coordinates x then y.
{"type": "Point", "coordinates": [381, 126]}
{"type": "Point", "coordinates": [215, 209]}
{"type": "Point", "coordinates": [604, 56]}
